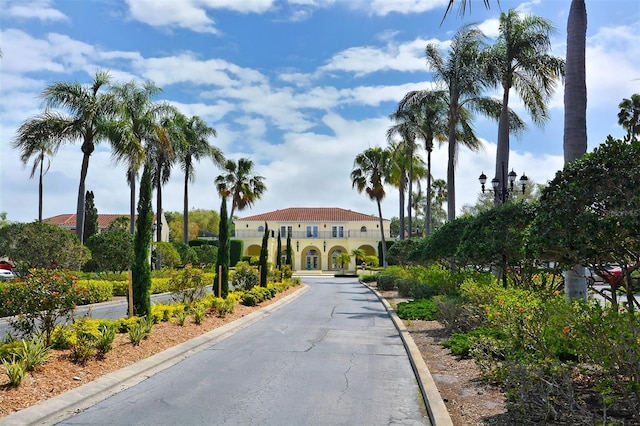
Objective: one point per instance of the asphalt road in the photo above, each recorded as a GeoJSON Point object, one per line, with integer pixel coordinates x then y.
{"type": "Point", "coordinates": [333, 357]}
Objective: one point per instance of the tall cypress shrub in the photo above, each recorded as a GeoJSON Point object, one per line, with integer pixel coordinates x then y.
{"type": "Point", "coordinates": [222, 264]}
{"type": "Point", "coordinates": [288, 258]}
{"type": "Point", "coordinates": [141, 270]}
{"type": "Point", "coordinates": [263, 256]}
{"type": "Point", "coordinates": [279, 253]}
{"type": "Point", "coordinates": [90, 216]}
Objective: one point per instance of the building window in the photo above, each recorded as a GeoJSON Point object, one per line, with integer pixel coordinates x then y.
{"type": "Point", "coordinates": [286, 231]}
{"type": "Point", "coordinates": [363, 229]}
{"type": "Point", "coordinates": [312, 260]}
{"type": "Point", "coordinates": [312, 232]}
{"type": "Point", "coordinates": [337, 232]}
{"type": "Point", "coordinates": [260, 228]}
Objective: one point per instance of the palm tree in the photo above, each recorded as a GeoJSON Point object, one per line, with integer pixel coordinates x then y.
{"type": "Point", "coordinates": [520, 60]}
{"type": "Point", "coordinates": [370, 171]}
{"type": "Point", "coordinates": [244, 187]}
{"type": "Point", "coordinates": [403, 156]}
{"type": "Point", "coordinates": [629, 116]}
{"type": "Point", "coordinates": [40, 149]}
{"type": "Point", "coordinates": [465, 79]}
{"type": "Point", "coordinates": [429, 110]}
{"type": "Point", "coordinates": [137, 130]}
{"type": "Point", "coordinates": [195, 145]}
{"type": "Point", "coordinates": [86, 111]}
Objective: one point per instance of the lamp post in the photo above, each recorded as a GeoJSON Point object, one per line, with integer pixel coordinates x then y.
{"type": "Point", "coordinates": [503, 187]}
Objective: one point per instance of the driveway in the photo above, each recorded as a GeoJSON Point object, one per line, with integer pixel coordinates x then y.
{"type": "Point", "coordinates": [334, 357]}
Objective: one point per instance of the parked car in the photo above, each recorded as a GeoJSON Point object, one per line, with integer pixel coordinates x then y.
{"type": "Point", "coordinates": [6, 274]}
{"type": "Point", "coordinates": [610, 274]}
{"type": "Point", "coordinates": [6, 265]}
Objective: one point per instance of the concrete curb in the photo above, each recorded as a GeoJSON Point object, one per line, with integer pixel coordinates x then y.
{"type": "Point", "coordinates": [60, 407]}
{"type": "Point", "coordinates": [438, 413]}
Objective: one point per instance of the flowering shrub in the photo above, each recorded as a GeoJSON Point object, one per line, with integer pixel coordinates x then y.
{"type": "Point", "coordinates": [40, 300]}
{"type": "Point", "coordinates": [188, 285]}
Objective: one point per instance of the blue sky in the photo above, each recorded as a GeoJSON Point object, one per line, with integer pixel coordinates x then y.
{"type": "Point", "coordinates": [300, 87]}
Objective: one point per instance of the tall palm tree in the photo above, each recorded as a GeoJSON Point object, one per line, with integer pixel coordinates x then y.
{"type": "Point", "coordinates": [370, 171]}
{"type": "Point", "coordinates": [137, 130]}
{"type": "Point", "coordinates": [629, 116]}
{"type": "Point", "coordinates": [40, 149]}
{"type": "Point", "coordinates": [195, 145]}
{"type": "Point", "coordinates": [73, 112]}
{"type": "Point", "coordinates": [462, 73]}
{"type": "Point", "coordinates": [520, 59]}
{"type": "Point", "coordinates": [429, 111]}
{"type": "Point", "coordinates": [240, 182]}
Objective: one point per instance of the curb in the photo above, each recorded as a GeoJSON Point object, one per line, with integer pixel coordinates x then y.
{"type": "Point", "coordinates": [438, 413]}
{"type": "Point", "coordinates": [62, 406]}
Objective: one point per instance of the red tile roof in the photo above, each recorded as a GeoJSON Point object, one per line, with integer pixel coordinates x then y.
{"type": "Point", "coordinates": [69, 220]}
{"type": "Point", "coordinates": [311, 214]}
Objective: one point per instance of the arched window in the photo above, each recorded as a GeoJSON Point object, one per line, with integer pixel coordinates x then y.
{"type": "Point", "coordinates": [260, 228]}
{"type": "Point", "coordinates": [363, 229]}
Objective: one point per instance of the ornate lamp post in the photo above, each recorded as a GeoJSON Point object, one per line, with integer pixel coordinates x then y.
{"type": "Point", "coordinates": [503, 187]}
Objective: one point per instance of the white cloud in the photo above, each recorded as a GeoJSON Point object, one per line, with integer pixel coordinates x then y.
{"type": "Point", "coordinates": [41, 10]}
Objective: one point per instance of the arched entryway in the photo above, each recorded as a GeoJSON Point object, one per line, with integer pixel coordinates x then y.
{"type": "Point", "coordinates": [312, 260]}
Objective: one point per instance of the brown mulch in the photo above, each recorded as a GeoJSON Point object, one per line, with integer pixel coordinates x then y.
{"type": "Point", "coordinates": [469, 400]}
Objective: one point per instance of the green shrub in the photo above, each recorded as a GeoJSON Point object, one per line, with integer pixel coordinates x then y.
{"type": "Point", "coordinates": [181, 316]}
{"type": "Point", "coordinates": [458, 315]}
{"type": "Point", "coordinates": [123, 325]}
{"type": "Point", "coordinates": [62, 337]}
{"type": "Point", "coordinates": [368, 278]}
{"type": "Point", "coordinates": [386, 282]}
{"type": "Point", "coordinates": [460, 344]}
{"type": "Point", "coordinates": [104, 342]}
{"type": "Point", "coordinates": [43, 298]}
{"type": "Point", "coordinates": [33, 352]}
{"type": "Point", "coordinates": [249, 299]}
{"type": "Point", "coordinates": [223, 306]}
{"type": "Point", "coordinates": [199, 311]}
{"type": "Point", "coordinates": [422, 309]}
{"type": "Point", "coordinates": [95, 291]}
{"type": "Point", "coordinates": [83, 348]}
{"type": "Point", "coordinates": [121, 288]}
{"type": "Point", "coordinates": [10, 349]}
{"type": "Point", "coordinates": [15, 370]}
{"type": "Point", "coordinates": [245, 277]}
{"type": "Point", "coordinates": [141, 330]}
{"type": "Point", "coordinates": [187, 285]}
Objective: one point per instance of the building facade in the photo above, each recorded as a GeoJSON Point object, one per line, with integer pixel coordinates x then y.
{"type": "Point", "coordinates": [318, 235]}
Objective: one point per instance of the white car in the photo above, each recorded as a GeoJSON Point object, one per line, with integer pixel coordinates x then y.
{"type": "Point", "coordinates": [6, 274]}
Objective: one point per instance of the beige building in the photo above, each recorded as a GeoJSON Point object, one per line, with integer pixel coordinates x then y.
{"type": "Point", "coordinates": [318, 235]}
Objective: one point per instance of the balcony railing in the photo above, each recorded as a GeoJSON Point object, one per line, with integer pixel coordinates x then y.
{"type": "Point", "coordinates": [320, 235]}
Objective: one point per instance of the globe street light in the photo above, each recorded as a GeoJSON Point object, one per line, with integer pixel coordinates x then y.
{"type": "Point", "coordinates": [503, 187]}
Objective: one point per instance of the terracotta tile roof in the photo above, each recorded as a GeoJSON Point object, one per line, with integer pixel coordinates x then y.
{"type": "Point", "coordinates": [311, 214]}
{"type": "Point", "coordinates": [69, 220]}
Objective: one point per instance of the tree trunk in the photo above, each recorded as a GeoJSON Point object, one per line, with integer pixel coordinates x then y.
{"type": "Point", "coordinates": [159, 209]}
{"type": "Point", "coordinates": [427, 213]}
{"type": "Point", "coordinates": [384, 243]}
{"type": "Point", "coordinates": [40, 189]}
{"type": "Point", "coordinates": [575, 87]}
{"type": "Point", "coordinates": [410, 192]}
{"type": "Point", "coordinates": [401, 198]}
{"type": "Point", "coordinates": [132, 201]}
{"type": "Point", "coordinates": [80, 205]}
{"type": "Point", "coordinates": [451, 173]}
{"type": "Point", "coordinates": [185, 210]}
{"type": "Point", "coordinates": [575, 118]}
{"type": "Point", "coordinates": [502, 150]}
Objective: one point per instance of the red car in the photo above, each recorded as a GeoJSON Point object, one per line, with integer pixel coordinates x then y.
{"type": "Point", "coordinates": [610, 274]}
{"type": "Point", "coordinates": [6, 265]}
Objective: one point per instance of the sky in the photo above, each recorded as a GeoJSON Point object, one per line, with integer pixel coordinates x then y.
{"type": "Point", "coordinates": [300, 87]}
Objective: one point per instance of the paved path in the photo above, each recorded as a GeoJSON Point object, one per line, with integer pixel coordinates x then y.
{"type": "Point", "coordinates": [333, 357]}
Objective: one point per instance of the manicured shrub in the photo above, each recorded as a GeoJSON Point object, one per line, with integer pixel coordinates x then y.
{"type": "Point", "coordinates": [42, 298]}
{"type": "Point", "coordinates": [249, 299]}
{"type": "Point", "coordinates": [386, 282]}
{"type": "Point", "coordinates": [421, 309]}
{"type": "Point", "coordinates": [245, 277]}
{"type": "Point", "coordinates": [95, 291]}
{"type": "Point", "coordinates": [187, 285]}
{"type": "Point", "coordinates": [461, 343]}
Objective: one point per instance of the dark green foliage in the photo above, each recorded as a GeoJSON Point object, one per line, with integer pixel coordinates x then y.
{"type": "Point", "coordinates": [289, 258]}
{"type": "Point", "coordinates": [38, 244]}
{"type": "Point", "coordinates": [442, 245]}
{"type": "Point", "coordinates": [90, 216]}
{"type": "Point", "coordinates": [222, 263]}
{"type": "Point", "coordinates": [386, 282]}
{"type": "Point", "coordinates": [420, 309]}
{"type": "Point", "coordinates": [245, 277]}
{"type": "Point", "coordinates": [408, 287]}
{"type": "Point", "coordinates": [111, 250]}
{"type": "Point", "coordinates": [186, 252]}
{"type": "Point", "coordinates": [460, 344]}
{"type": "Point", "coordinates": [207, 254]}
{"type": "Point", "coordinates": [279, 253]}
{"type": "Point", "coordinates": [264, 253]}
{"type": "Point", "coordinates": [166, 254]}
{"type": "Point", "coordinates": [141, 269]}
{"type": "Point", "coordinates": [236, 248]}
{"type": "Point", "coordinates": [399, 251]}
